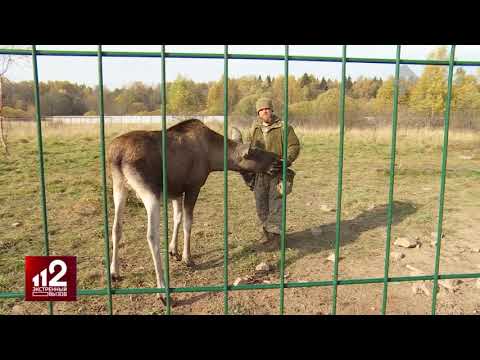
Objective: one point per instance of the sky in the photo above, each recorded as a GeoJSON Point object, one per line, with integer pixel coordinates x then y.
{"type": "Point", "coordinates": [119, 72]}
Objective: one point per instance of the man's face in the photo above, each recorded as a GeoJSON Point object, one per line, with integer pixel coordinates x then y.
{"type": "Point", "coordinates": [266, 115]}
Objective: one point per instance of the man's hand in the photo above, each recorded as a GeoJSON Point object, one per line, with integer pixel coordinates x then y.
{"type": "Point", "coordinates": [279, 165]}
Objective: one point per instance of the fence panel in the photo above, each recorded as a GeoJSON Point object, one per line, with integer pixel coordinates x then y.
{"type": "Point", "coordinates": [225, 287]}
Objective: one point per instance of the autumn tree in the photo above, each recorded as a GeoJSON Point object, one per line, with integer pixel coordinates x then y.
{"type": "Point", "coordinates": [324, 109]}
{"type": "Point", "coordinates": [465, 93]}
{"type": "Point", "coordinates": [302, 110]}
{"type": "Point", "coordinates": [364, 88]}
{"type": "Point", "coordinates": [181, 99]}
{"type": "Point", "coordinates": [428, 94]}
{"type": "Point", "coordinates": [248, 85]}
{"type": "Point", "coordinates": [215, 99]}
{"type": "Point", "coordinates": [332, 84]}
{"type": "Point", "coordinates": [246, 106]}
{"type": "Point", "coordinates": [123, 101]}
{"type": "Point", "coordinates": [278, 92]}
{"type": "Point", "coordinates": [383, 102]}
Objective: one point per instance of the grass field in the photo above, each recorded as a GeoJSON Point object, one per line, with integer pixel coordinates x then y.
{"type": "Point", "coordinates": [73, 185]}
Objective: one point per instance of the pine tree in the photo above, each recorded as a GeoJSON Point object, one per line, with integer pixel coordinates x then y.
{"type": "Point", "coordinates": [304, 80]}
{"type": "Point", "coordinates": [323, 85]}
{"type": "Point", "coordinates": [268, 81]}
{"type": "Point", "coordinates": [348, 85]}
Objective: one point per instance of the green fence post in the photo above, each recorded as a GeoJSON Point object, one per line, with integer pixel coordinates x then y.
{"type": "Point", "coordinates": [40, 159]}
{"type": "Point", "coordinates": [392, 179]}
{"type": "Point", "coordinates": [104, 180]}
{"type": "Point", "coordinates": [225, 181]}
{"type": "Point", "coordinates": [340, 180]}
{"type": "Point", "coordinates": [164, 181]}
{"type": "Point", "coordinates": [442, 179]}
{"type": "Point", "coordinates": [284, 195]}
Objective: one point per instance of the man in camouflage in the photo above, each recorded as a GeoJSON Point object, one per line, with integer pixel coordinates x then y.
{"type": "Point", "coordinates": [267, 133]}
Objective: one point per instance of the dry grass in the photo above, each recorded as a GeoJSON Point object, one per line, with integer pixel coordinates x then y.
{"type": "Point", "coordinates": [76, 226]}
{"type": "Point", "coordinates": [383, 135]}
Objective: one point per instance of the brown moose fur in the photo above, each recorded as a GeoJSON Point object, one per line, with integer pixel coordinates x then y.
{"type": "Point", "coordinates": [193, 151]}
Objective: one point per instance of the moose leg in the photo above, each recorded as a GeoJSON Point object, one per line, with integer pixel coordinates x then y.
{"type": "Point", "coordinates": [152, 205]}
{"type": "Point", "coordinates": [177, 219]}
{"type": "Point", "coordinates": [188, 205]}
{"type": "Point", "coordinates": [120, 193]}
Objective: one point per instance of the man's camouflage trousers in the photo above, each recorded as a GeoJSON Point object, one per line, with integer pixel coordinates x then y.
{"type": "Point", "coordinates": [268, 199]}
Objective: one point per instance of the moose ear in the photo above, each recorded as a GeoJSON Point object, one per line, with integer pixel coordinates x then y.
{"type": "Point", "coordinates": [236, 135]}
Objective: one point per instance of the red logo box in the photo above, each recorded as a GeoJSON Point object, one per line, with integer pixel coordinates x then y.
{"type": "Point", "coordinates": [50, 278]}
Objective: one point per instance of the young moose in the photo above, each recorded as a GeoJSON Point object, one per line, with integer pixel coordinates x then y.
{"type": "Point", "coordinates": [193, 151]}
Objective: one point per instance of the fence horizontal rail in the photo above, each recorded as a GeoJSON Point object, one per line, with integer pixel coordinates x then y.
{"type": "Point", "coordinates": [178, 55]}
{"type": "Point", "coordinates": [293, 284]}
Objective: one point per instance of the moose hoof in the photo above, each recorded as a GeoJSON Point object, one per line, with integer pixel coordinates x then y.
{"type": "Point", "coordinates": [175, 255]}
{"type": "Point", "coordinates": [115, 277]}
{"type": "Point", "coordinates": [163, 299]}
{"type": "Point", "coordinates": [189, 262]}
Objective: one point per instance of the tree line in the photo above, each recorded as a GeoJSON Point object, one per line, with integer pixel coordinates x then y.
{"type": "Point", "coordinates": [184, 96]}
{"type": "Point", "coordinates": [311, 100]}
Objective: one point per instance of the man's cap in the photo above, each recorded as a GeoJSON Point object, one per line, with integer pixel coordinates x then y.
{"type": "Point", "coordinates": [263, 103]}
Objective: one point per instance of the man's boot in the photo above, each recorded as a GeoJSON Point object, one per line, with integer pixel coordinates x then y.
{"type": "Point", "coordinates": [274, 238]}
{"type": "Point", "coordinates": [265, 239]}
{"type": "Point", "coordinates": [270, 239]}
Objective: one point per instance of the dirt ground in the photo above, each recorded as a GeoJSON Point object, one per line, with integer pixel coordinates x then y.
{"type": "Point", "coordinates": [458, 298]}
{"type": "Point", "coordinates": [75, 222]}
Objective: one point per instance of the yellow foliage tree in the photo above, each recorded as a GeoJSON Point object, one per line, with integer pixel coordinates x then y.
{"type": "Point", "coordinates": [465, 93]}
{"type": "Point", "coordinates": [330, 100]}
{"type": "Point", "coordinates": [428, 94]}
{"type": "Point", "coordinates": [181, 99]}
{"type": "Point", "coordinates": [384, 100]}
{"type": "Point", "coordinates": [295, 92]}
{"type": "Point", "coordinates": [383, 103]}
{"type": "Point", "coordinates": [365, 88]}
{"type": "Point", "coordinates": [215, 101]}
{"type": "Point", "coordinates": [301, 109]}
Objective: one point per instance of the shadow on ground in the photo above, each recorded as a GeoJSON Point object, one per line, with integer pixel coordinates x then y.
{"type": "Point", "coordinates": [322, 237]}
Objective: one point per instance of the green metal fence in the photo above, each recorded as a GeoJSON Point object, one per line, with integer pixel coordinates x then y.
{"type": "Point", "coordinates": [108, 291]}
